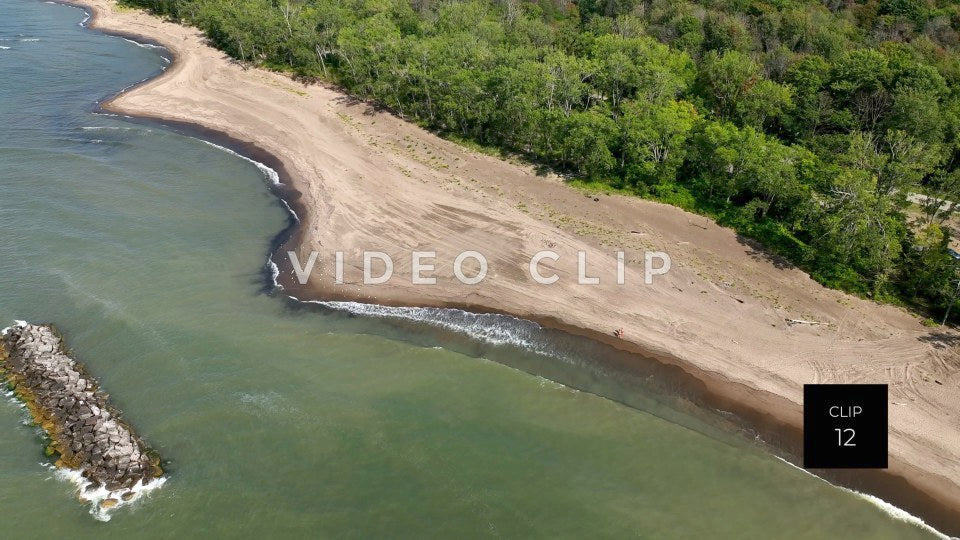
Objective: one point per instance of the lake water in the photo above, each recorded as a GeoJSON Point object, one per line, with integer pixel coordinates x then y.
{"type": "Point", "coordinates": [147, 249]}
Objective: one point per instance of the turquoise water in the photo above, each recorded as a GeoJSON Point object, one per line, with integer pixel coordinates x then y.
{"type": "Point", "coordinates": [147, 249]}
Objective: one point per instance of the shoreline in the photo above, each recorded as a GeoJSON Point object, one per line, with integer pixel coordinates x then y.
{"type": "Point", "coordinates": [775, 417]}
{"type": "Point", "coordinates": [781, 435]}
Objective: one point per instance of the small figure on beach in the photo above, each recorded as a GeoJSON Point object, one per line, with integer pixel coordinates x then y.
{"type": "Point", "coordinates": [618, 332]}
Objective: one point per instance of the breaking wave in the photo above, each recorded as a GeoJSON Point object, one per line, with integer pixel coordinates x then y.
{"type": "Point", "coordinates": [104, 502]}
{"type": "Point", "coordinates": [894, 512]}
{"type": "Point", "coordinates": [269, 173]}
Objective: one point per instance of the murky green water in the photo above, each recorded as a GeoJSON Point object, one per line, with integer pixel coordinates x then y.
{"type": "Point", "coordinates": [147, 249]}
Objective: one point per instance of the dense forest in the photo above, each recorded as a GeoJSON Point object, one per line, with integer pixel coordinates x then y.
{"type": "Point", "coordinates": [808, 126]}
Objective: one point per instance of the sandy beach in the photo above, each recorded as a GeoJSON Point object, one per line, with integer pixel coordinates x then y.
{"type": "Point", "coordinates": [368, 180]}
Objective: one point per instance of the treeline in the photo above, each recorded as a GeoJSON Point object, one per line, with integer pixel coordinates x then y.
{"type": "Point", "coordinates": [809, 126]}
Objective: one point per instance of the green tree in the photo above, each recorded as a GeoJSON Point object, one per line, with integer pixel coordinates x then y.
{"type": "Point", "coordinates": [896, 164]}
{"type": "Point", "coordinates": [859, 228]}
{"type": "Point", "coordinates": [639, 67]}
{"type": "Point", "coordinates": [764, 103]}
{"type": "Point", "coordinates": [813, 104]}
{"type": "Point", "coordinates": [726, 79]}
{"type": "Point", "coordinates": [587, 138]}
{"type": "Point", "coordinates": [654, 139]}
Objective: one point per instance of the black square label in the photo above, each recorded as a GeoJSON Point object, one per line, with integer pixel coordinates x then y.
{"type": "Point", "coordinates": [845, 426]}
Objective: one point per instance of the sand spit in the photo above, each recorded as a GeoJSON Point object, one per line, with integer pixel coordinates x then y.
{"type": "Point", "coordinates": [93, 447]}
{"type": "Point", "coordinates": [366, 180]}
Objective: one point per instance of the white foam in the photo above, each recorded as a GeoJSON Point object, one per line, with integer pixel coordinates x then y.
{"type": "Point", "coordinates": [894, 512]}
{"type": "Point", "coordinates": [274, 272]}
{"type": "Point", "coordinates": [95, 497]}
{"type": "Point", "coordinates": [269, 173]}
{"type": "Point", "coordinates": [141, 81]}
{"type": "Point", "coordinates": [144, 45]}
{"type": "Point", "coordinates": [30, 39]}
{"type": "Point", "coordinates": [16, 324]}
{"type": "Point", "coordinates": [7, 392]}
{"type": "Point", "coordinates": [490, 328]}
{"type": "Point", "coordinates": [265, 404]}
{"type": "Point", "coordinates": [111, 128]}
{"type": "Point", "coordinates": [292, 213]}
{"type": "Point", "coordinates": [10, 395]}
{"type": "Point", "coordinates": [113, 115]}
{"type": "Point", "coordinates": [166, 60]}
{"type": "Point", "coordinates": [553, 385]}
{"type": "Point", "coordinates": [3, 48]}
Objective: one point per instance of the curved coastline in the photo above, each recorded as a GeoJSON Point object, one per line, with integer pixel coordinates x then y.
{"type": "Point", "coordinates": [774, 418]}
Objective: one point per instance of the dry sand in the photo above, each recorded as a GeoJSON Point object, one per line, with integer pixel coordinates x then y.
{"type": "Point", "coordinates": [371, 181]}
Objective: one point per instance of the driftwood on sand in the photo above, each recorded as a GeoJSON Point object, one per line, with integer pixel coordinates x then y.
{"type": "Point", "coordinates": [801, 321]}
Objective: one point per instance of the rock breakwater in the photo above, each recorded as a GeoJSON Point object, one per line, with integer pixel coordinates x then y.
{"type": "Point", "coordinates": [86, 434]}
